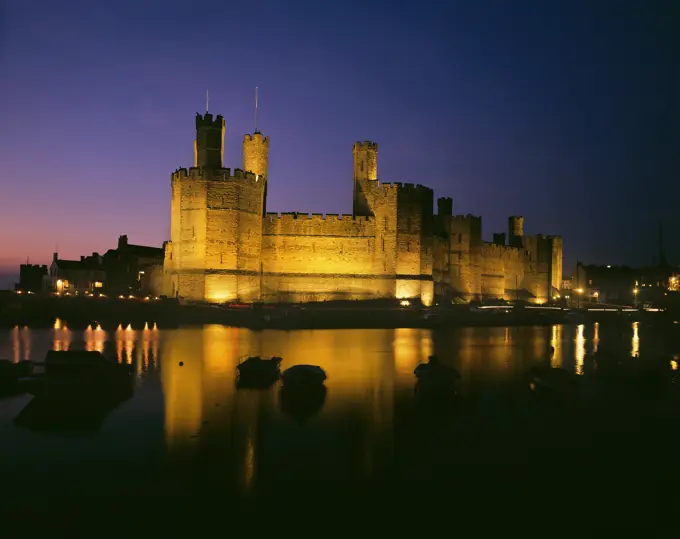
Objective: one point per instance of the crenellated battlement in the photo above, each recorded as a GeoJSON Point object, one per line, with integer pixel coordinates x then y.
{"type": "Point", "coordinates": [497, 250]}
{"type": "Point", "coordinates": [297, 216]}
{"type": "Point", "coordinates": [317, 224]}
{"type": "Point", "coordinates": [207, 120]}
{"type": "Point", "coordinates": [366, 145]}
{"type": "Point", "coordinates": [256, 137]}
{"type": "Point", "coordinates": [406, 188]}
{"type": "Point", "coordinates": [208, 174]}
{"type": "Point", "coordinates": [466, 218]}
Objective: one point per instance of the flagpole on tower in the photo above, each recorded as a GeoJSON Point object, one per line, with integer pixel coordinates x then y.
{"type": "Point", "coordinates": [207, 101]}
{"type": "Point", "coordinates": [256, 88]}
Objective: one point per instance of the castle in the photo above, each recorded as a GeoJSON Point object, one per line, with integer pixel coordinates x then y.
{"type": "Point", "coordinates": [226, 247]}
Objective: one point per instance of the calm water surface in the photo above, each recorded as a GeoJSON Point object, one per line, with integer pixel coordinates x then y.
{"type": "Point", "coordinates": [187, 429]}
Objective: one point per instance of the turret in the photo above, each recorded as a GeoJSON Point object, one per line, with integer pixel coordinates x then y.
{"type": "Point", "coordinates": [365, 169]}
{"type": "Point", "coordinates": [209, 143]}
{"type": "Point", "coordinates": [255, 160]}
{"type": "Point", "coordinates": [256, 154]}
{"type": "Point", "coordinates": [516, 231]}
{"type": "Point", "coordinates": [365, 160]}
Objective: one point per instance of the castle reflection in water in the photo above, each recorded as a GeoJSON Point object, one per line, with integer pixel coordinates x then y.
{"type": "Point", "coordinates": [368, 372]}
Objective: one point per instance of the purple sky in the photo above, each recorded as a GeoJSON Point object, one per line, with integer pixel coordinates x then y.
{"type": "Point", "coordinates": [566, 114]}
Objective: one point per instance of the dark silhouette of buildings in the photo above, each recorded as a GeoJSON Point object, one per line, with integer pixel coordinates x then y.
{"type": "Point", "coordinates": [31, 278]}
{"type": "Point", "coordinates": [134, 269]}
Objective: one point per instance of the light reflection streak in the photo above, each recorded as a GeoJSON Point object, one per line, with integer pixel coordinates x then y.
{"type": "Point", "coordinates": [409, 350]}
{"type": "Point", "coordinates": [16, 345]}
{"type": "Point", "coordinates": [596, 337]}
{"type": "Point", "coordinates": [129, 337]}
{"type": "Point", "coordinates": [556, 343]}
{"type": "Point", "coordinates": [249, 461]}
{"type": "Point", "coordinates": [61, 338]}
{"type": "Point", "coordinates": [579, 349]}
{"type": "Point", "coordinates": [635, 344]}
{"type": "Point", "coordinates": [119, 344]}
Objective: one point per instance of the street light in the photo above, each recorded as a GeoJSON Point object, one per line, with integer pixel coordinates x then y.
{"type": "Point", "coordinates": [635, 293]}
{"type": "Point", "coordinates": [579, 291]}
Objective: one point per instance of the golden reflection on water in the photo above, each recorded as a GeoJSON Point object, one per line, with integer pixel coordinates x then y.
{"type": "Point", "coordinates": [556, 343]}
{"type": "Point", "coordinates": [95, 338]}
{"type": "Point", "coordinates": [635, 343]}
{"type": "Point", "coordinates": [368, 370]}
{"type": "Point", "coordinates": [596, 337]}
{"type": "Point", "coordinates": [579, 349]}
{"type": "Point", "coordinates": [409, 347]}
{"type": "Point", "coordinates": [61, 336]}
{"type": "Point", "coordinates": [16, 344]}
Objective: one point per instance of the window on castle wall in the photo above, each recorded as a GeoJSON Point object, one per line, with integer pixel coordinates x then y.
{"type": "Point", "coordinates": [385, 223]}
{"type": "Point", "coordinates": [362, 166]}
{"type": "Point", "coordinates": [383, 243]}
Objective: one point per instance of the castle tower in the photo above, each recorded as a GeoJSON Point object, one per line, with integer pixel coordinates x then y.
{"type": "Point", "coordinates": [209, 143]}
{"type": "Point", "coordinates": [365, 169]}
{"type": "Point", "coordinates": [256, 159]}
{"type": "Point", "coordinates": [516, 231]}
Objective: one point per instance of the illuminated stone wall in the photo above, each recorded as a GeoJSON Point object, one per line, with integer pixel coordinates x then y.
{"type": "Point", "coordinates": [214, 253]}
{"type": "Point", "coordinates": [225, 247]}
{"type": "Point", "coordinates": [465, 237]}
{"type": "Point", "coordinates": [319, 257]}
{"type": "Point", "coordinates": [502, 272]}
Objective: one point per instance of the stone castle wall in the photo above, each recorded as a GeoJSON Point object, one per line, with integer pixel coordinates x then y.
{"type": "Point", "coordinates": [317, 257]}
{"type": "Point", "coordinates": [225, 247]}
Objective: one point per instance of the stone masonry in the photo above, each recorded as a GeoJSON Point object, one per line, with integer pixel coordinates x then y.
{"type": "Point", "coordinates": [225, 246]}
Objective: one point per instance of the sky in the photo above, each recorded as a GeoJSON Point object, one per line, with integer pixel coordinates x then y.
{"type": "Point", "coordinates": [565, 112]}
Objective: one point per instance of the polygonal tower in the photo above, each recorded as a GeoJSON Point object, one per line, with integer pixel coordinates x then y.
{"type": "Point", "coordinates": [516, 231]}
{"type": "Point", "coordinates": [256, 159]}
{"type": "Point", "coordinates": [365, 169]}
{"type": "Point", "coordinates": [209, 143]}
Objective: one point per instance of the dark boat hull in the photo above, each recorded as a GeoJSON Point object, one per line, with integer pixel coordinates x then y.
{"type": "Point", "coordinates": [71, 388]}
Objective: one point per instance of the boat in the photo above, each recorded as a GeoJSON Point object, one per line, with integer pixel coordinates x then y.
{"type": "Point", "coordinates": [77, 373]}
{"type": "Point", "coordinates": [304, 376]}
{"type": "Point", "coordinates": [68, 417]}
{"type": "Point", "coordinates": [435, 373]}
{"type": "Point", "coordinates": [256, 371]}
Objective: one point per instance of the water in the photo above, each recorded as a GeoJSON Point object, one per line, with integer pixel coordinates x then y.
{"type": "Point", "coordinates": [188, 431]}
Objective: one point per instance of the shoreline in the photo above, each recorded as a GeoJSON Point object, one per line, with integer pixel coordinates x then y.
{"type": "Point", "coordinates": [111, 314]}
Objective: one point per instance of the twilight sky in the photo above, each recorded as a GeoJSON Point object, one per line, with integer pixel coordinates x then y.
{"type": "Point", "coordinates": [566, 112]}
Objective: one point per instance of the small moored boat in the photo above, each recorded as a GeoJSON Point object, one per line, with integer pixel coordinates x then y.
{"type": "Point", "coordinates": [255, 370]}
{"type": "Point", "coordinates": [304, 375]}
{"type": "Point", "coordinates": [76, 373]}
{"type": "Point", "coordinates": [435, 372]}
